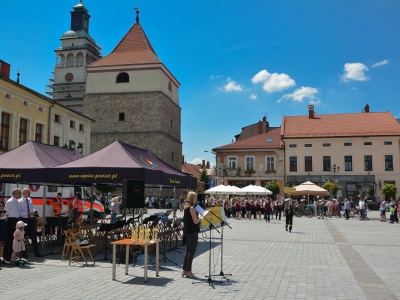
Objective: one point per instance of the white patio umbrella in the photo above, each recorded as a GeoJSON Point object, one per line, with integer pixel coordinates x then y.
{"type": "Point", "coordinates": [309, 188]}
{"type": "Point", "coordinates": [220, 189]}
{"type": "Point", "coordinates": [255, 190]}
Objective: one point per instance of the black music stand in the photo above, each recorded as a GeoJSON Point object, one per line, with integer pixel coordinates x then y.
{"type": "Point", "coordinates": [52, 222]}
{"type": "Point", "coordinates": [223, 223]}
{"type": "Point", "coordinates": [164, 221]}
{"type": "Point", "coordinates": [168, 212]}
{"type": "Point", "coordinates": [63, 224]}
{"type": "Point", "coordinates": [106, 228]}
{"type": "Point", "coordinates": [209, 280]}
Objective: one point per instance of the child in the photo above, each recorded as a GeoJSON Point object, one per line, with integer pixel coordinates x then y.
{"type": "Point", "coordinates": [19, 240]}
{"type": "Point", "coordinates": [391, 211]}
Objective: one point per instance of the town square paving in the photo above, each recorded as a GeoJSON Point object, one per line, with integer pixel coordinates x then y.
{"type": "Point", "coordinates": [321, 259]}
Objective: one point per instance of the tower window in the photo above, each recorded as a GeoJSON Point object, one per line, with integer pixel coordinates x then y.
{"type": "Point", "coordinates": [170, 86]}
{"type": "Point", "coordinates": [122, 77]}
{"type": "Point", "coordinates": [171, 122]}
{"type": "Point", "coordinates": [121, 117]}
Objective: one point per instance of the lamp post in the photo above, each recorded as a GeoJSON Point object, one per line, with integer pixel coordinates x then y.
{"type": "Point", "coordinates": [334, 169]}
{"type": "Point", "coordinates": [223, 168]}
{"type": "Point", "coordinates": [80, 147]}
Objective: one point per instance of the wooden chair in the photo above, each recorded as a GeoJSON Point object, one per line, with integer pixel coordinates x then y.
{"type": "Point", "coordinates": [77, 249]}
{"type": "Point", "coordinates": [67, 241]}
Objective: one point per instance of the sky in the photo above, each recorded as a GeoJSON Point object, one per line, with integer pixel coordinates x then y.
{"type": "Point", "coordinates": [237, 61]}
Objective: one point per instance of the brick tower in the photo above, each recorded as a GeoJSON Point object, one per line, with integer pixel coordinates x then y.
{"type": "Point", "coordinates": [134, 98]}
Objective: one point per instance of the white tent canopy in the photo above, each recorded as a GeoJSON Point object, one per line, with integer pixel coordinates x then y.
{"type": "Point", "coordinates": [222, 189]}
{"type": "Point", "coordinates": [254, 190]}
{"type": "Point", "coordinates": [309, 188]}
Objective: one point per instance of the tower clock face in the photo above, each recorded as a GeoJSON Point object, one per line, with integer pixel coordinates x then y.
{"type": "Point", "coordinates": [69, 77]}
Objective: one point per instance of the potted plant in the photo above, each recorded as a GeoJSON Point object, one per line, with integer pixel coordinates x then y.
{"type": "Point", "coordinates": [249, 172]}
{"type": "Point", "coordinates": [238, 170]}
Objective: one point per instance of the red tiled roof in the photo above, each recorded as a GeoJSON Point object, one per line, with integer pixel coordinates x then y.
{"type": "Point", "coordinates": [134, 48]}
{"type": "Point", "coordinates": [194, 170]}
{"type": "Point", "coordinates": [354, 124]}
{"type": "Point", "coordinates": [257, 142]}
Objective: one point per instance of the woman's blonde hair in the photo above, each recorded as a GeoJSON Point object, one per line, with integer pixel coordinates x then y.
{"type": "Point", "coordinates": [190, 199]}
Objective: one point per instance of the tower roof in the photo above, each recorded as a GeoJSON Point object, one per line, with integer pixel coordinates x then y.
{"type": "Point", "coordinates": [134, 48]}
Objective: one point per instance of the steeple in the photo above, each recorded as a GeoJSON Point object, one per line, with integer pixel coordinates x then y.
{"type": "Point", "coordinates": [137, 15]}
{"type": "Point", "coordinates": [80, 18]}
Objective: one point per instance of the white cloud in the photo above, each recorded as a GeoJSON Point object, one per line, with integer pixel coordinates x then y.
{"type": "Point", "coordinates": [381, 63]}
{"type": "Point", "coordinates": [353, 88]}
{"type": "Point", "coordinates": [196, 161]}
{"type": "Point", "coordinates": [273, 82]}
{"type": "Point", "coordinates": [232, 86]}
{"type": "Point", "coordinates": [354, 71]}
{"type": "Point", "coordinates": [215, 76]}
{"type": "Point", "coordinates": [315, 102]}
{"type": "Point", "coordinates": [302, 93]}
{"type": "Point", "coordinates": [253, 97]}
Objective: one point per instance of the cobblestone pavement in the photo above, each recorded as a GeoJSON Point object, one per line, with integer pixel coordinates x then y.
{"type": "Point", "coordinates": [321, 259]}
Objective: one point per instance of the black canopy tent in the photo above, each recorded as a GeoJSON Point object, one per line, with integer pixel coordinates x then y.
{"type": "Point", "coordinates": [119, 161]}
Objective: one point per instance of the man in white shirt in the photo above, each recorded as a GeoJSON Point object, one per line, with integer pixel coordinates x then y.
{"type": "Point", "coordinates": [27, 213]}
{"type": "Point", "coordinates": [13, 217]}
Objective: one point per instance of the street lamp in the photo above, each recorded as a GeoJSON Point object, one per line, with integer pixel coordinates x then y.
{"type": "Point", "coordinates": [223, 168]}
{"type": "Point", "coordinates": [334, 169]}
{"type": "Point", "coordinates": [72, 145]}
{"type": "Point", "coordinates": [80, 147]}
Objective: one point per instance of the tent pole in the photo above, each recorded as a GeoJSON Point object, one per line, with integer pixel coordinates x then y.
{"type": "Point", "coordinates": [44, 217]}
{"type": "Point", "coordinates": [91, 203]}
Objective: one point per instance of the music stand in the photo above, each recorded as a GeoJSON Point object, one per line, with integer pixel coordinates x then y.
{"type": "Point", "coordinates": [164, 221]}
{"type": "Point", "coordinates": [106, 228]}
{"type": "Point", "coordinates": [168, 212]}
{"type": "Point", "coordinates": [52, 222]}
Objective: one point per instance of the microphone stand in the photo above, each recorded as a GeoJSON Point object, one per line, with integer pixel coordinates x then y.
{"type": "Point", "coordinates": [209, 280]}
{"type": "Point", "coordinates": [223, 223]}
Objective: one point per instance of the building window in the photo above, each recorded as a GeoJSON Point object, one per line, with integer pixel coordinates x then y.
{"type": "Point", "coordinates": [326, 163]}
{"type": "Point", "coordinates": [8, 96]}
{"type": "Point", "coordinates": [348, 163]}
{"type": "Point", "coordinates": [293, 164]}
{"type": "Point", "coordinates": [39, 133]}
{"type": "Point", "coordinates": [171, 123]}
{"type": "Point", "coordinates": [387, 143]}
{"type": "Point", "coordinates": [326, 144]}
{"type": "Point", "coordinates": [72, 124]}
{"type": "Point", "coordinates": [368, 163]}
{"type": "Point", "coordinates": [249, 162]}
{"type": "Point", "coordinates": [270, 163]}
{"type": "Point", "coordinates": [307, 145]}
{"type": "Point", "coordinates": [5, 130]}
{"type": "Point", "coordinates": [388, 162]}
{"type": "Point", "coordinates": [122, 77]}
{"type": "Point", "coordinates": [308, 163]}
{"type": "Point", "coordinates": [23, 131]}
{"type": "Point", "coordinates": [56, 141]}
{"type": "Point", "coordinates": [81, 127]}
{"type": "Point", "coordinates": [367, 143]}
{"type": "Point", "coordinates": [348, 144]}
{"type": "Point", "coordinates": [121, 116]}
{"type": "Point", "coordinates": [40, 109]}
{"type": "Point", "coordinates": [292, 145]}
{"type": "Point", "coordinates": [270, 140]}
{"type": "Point", "coordinates": [170, 86]}
{"type": "Point", "coordinates": [57, 118]}
{"type": "Point", "coordinates": [232, 162]}
{"type": "Point", "coordinates": [25, 103]}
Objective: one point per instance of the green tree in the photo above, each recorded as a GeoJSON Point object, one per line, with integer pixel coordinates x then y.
{"type": "Point", "coordinates": [331, 187]}
{"type": "Point", "coordinates": [205, 178]}
{"type": "Point", "coordinates": [105, 189]}
{"type": "Point", "coordinates": [389, 189]}
{"type": "Point", "coordinates": [273, 187]}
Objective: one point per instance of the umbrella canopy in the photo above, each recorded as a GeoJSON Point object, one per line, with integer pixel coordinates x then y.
{"type": "Point", "coordinates": [310, 188]}
{"type": "Point", "coordinates": [255, 190]}
{"type": "Point", "coordinates": [27, 163]}
{"type": "Point", "coordinates": [220, 189]}
{"type": "Point", "coordinates": [119, 161]}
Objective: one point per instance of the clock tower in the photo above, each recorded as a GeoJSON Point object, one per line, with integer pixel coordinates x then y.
{"type": "Point", "coordinates": [77, 50]}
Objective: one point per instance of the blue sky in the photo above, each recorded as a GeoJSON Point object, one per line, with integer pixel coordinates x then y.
{"type": "Point", "coordinates": [237, 61]}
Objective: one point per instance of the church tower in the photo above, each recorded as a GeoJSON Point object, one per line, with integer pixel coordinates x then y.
{"type": "Point", "coordinates": [134, 98]}
{"type": "Point", "coordinates": [77, 50]}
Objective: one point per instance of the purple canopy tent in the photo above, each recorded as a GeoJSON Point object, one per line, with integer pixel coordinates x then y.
{"type": "Point", "coordinates": [119, 161]}
{"type": "Point", "coordinates": [27, 163]}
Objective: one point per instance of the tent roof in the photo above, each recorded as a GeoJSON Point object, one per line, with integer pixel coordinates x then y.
{"type": "Point", "coordinates": [33, 155]}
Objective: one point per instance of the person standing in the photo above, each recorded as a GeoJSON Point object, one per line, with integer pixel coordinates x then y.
{"type": "Point", "coordinates": [174, 203]}
{"type": "Point", "coordinates": [315, 207]}
{"type": "Point", "coordinates": [278, 209]}
{"type": "Point", "coordinates": [19, 240]}
{"type": "Point", "coordinates": [268, 210]}
{"type": "Point", "coordinates": [347, 208]}
{"type": "Point", "coordinates": [382, 210]}
{"type": "Point", "coordinates": [361, 206]}
{"type": "Point", "coordinates": [3, 227]}
{"type": "Point", "coordinates": [289, 216]}
{"type": "Point", "coordinates": [27, 214]}
{"type": "Point", "coordinates": [321, 206]}
{"type": "Point", "coordinates": [181, 203]}
{"type": "Point", "coordinates": [191, 231]}
{"type": "Point", "coordinates": [329, 206]}
{"type": "Point", "coordinates": [12, 209]}
{"type": "Point", "coordinates": [115, 203]}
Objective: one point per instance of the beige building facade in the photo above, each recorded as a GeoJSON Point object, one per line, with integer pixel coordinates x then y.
{"type": "Point", "coordinates": [27, 115]}
{"type": "Point", "coordinates": [360, 151]}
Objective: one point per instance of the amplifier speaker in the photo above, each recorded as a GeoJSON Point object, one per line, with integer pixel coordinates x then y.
{"type": "Point", "coordinates": [132, 193]}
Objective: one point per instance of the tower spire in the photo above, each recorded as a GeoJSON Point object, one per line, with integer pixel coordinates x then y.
{"type": "Point", "coordinates": [137, 15]}
{"type": "Point", "coordinates": [18, 76]}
